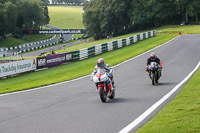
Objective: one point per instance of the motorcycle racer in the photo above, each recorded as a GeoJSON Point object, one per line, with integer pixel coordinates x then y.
{"type": "Point", "coordinates": [108, 69]}
{"type": "Point", "coordinates": [154, 58]}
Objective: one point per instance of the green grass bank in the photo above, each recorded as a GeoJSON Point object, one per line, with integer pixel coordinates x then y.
{"type": "Point", "coordinates": [66, 17]}
{"type": "Point", "coordinates": [182, 114]}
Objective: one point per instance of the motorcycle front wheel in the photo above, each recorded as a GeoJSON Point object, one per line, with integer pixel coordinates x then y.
{"type": "Point", "coordinates": [102, 94]}
{"type": "Point", "coordinates": [154, 79]}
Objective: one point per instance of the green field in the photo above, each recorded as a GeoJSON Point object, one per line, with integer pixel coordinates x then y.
{"type": "Point", "coordinates": [174, 29]}
{"type": "Point", "coordinates": [66, 17]}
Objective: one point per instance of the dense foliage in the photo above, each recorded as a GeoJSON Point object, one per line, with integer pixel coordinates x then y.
{"type": "Point", "coordinates": [16, 15]}
{"type": "Point", "coordinates": [114, 17]}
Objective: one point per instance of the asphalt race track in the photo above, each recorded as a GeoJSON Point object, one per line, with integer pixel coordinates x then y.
{"type": "Point", "coordinates": [75, 107]}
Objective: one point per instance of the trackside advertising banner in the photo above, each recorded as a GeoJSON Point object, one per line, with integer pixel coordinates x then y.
{"type": "Point", "coordinates": [54, 60]}
{"type": "Point", "coordinates": [16, 67]}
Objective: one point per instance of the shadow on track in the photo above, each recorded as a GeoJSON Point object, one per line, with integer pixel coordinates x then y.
{"type": "Point", "coordinates": [120, 100]}
{"type": "Point", "coordinates": [166, 83]}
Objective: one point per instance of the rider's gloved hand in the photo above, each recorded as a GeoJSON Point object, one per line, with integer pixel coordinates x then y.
{"type": "Point", "coordinates": [91, 77]}
{"type": "Point", "coordinates": [110, 75]}
{"type": "Point", "coordinates": [147, 68]}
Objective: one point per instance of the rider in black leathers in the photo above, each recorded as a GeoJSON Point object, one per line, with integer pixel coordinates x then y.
{"type": "Point", "coordinates": [154, 58]}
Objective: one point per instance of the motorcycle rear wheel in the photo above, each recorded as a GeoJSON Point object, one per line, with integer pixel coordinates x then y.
{"type": "Point", "coordinates": [102, 94]}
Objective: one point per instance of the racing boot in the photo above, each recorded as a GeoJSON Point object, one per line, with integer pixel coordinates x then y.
{"type": "Point", "coordinates": [150, 75]}
{"type": "Point", "coordinates": [113, 85]}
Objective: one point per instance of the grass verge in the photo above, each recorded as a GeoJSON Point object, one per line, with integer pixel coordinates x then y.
{"type": "Point", "coordinates": [182, 114]}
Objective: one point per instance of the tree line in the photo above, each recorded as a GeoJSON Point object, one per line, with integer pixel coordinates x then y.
{"type": "Point", "coordinates": [17, 15]}
{"type": "Point", "coordinates": [115, 17]}
{"type": "Point", "coordinates": [68, 2]}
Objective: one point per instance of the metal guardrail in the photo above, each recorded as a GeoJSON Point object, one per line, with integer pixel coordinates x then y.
{"type": "Point", "coordinates": [28, 46]}
{"type": "Point", "coordinates": [103, 48]}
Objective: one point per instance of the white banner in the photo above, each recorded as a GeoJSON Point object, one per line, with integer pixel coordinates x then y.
{"type": "Point", "coordinates": [11, 68]}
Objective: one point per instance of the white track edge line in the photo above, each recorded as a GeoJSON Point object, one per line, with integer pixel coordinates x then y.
{"type": "Point", "coordinates": [33, 89]}
{"type": "Point", "coordinates": [157, 104]}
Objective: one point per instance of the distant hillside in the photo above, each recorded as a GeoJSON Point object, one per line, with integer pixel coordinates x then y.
{"type": "Point", "coordinates": [66, 17]}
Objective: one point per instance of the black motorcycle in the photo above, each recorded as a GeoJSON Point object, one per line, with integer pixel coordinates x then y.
{"type": "Point", "coordinates": [154, 72]}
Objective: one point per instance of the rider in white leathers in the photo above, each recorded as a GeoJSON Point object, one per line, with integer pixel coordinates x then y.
{"type": "Point", "coordinates": [109, 70]}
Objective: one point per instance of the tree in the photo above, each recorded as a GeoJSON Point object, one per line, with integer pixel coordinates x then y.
{"type": "Point", "coordinates": [16, 15]}
{"type": "Point", "coordinates": [45, 11]}
{"type": "Point", "coordinates": [2, 23]}
{"type": "Point", "coordinates": [8, 15]}
{"type": "Point", "coordinates": [193, 9]}
{"type": "Point", "coordinates": [188, 9]}
{"type": "Point", "coordinates": [31, 14]}
{"type": "Point", "coordinates": [91, 20]}
{"type": "Point", "coordinates": [106, 17]}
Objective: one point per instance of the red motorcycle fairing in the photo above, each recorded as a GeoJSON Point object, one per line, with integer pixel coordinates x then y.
{"type": "Point", "coordinates": [109, 86]}
{"type": "Point", "coordinates": [99, 75]}
{"type": "Point", "coordinates": [104, 85]}
{"type": "Point", "coordinates": [101, 84]}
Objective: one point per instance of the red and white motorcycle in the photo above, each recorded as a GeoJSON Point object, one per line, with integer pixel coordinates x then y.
{"type": "Point", "coordinates": [104, 85]}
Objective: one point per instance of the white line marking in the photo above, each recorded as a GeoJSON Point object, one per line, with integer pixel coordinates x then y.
{"type": "Point", "coordinates": [157, 104]}
{"type": "Point", "coordinates": [86, 75]}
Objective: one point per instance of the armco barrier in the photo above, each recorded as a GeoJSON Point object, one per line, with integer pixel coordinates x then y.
{"type": "Point", "coordinates": [75, 55]}
{"type": "Point", "coordinates": [102, 48]}
{"type": "Point", "coordinates": [83, 53]}
{"type": "Point", "coordinates": [115, 45]}
{"type": "Point", "coordinates": [138, 37]}
{"type": "Point", "coordinates": [32, 46]}
{"type": "Point", "coordinates": [131, 40]}
{"type": "Point", "coordinates": [91, 52]}
{"type": "Point", "coordinates": [110, 46]}
{"type": "Point", "coordinates": [123, 42]}
{"type": "Point", "coordinates": [98, 49]}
